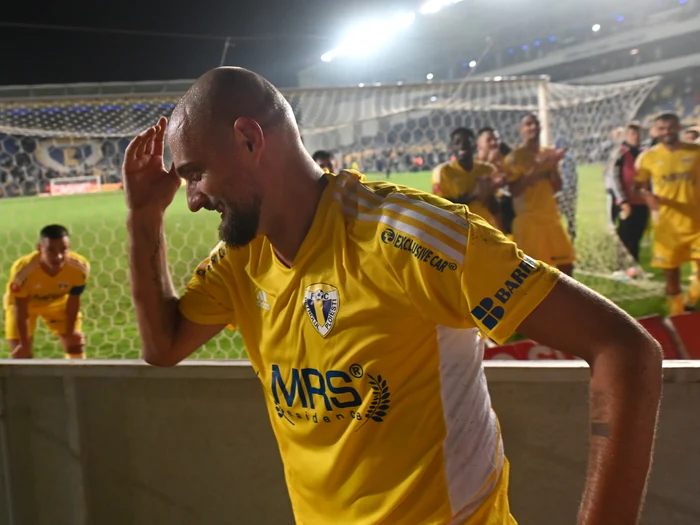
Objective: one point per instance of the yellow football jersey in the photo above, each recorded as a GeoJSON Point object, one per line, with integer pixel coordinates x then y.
{"type": "Point", "coordinates": [28, 279]}
{"type": "Point", "coordinates": [537, 199]}
{"type": "Point", "coordinates": [361, 176]}
{"type": "Point", "coordinates": [369, 354]}
{"type": "Point", "coordinates": [674, 176]}
{"type": "Point", "coordinates": [451, 180]}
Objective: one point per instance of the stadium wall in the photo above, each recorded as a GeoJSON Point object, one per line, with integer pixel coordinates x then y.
{"type": "Point", "coordinates": [114, 442]}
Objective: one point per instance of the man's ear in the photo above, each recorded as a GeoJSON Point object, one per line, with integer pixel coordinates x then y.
{"type": "Point", "coordinates": [250, 134]}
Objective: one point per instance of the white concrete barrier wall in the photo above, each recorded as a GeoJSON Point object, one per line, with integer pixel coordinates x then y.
{"type": "Point", "coordinates": [121, 443]}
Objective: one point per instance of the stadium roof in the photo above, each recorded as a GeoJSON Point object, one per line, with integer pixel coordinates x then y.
{"type": "Point", "coordinates": [465, 31]}
{"type": "Point", "coordinates": [94, 90]}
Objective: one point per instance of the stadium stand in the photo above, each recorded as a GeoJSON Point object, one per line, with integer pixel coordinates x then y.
{"type": "Point", "coordinates": [685, 326]}
{"type": "Point", "coordinates": [678, 336]}
{"type": "Point", "coordinates": [413, 138]}
{"type": "Point", "coordinates": [659, 330]}
{"type": "Point", "coordinates": [526, 350]}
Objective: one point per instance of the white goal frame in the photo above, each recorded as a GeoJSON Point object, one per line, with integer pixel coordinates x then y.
{"type": "Point", "coordinates": [75, 185]}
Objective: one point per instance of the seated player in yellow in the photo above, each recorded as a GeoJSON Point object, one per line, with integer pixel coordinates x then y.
{"type": "Point", "coordinates": [466, 180]}
{"type": "Point", "coordinates": [361, 308]}
{"type": "Point", "coordinates": [668, 175]}
{"type": "Point", "coordinates": [533, 179]}
{"type": "Point", "coordinates": [46, 284]}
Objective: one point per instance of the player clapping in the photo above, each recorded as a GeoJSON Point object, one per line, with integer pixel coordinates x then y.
{"type": "Point", "coordinates": [533, 177]}
{"type": "Point", "coordinates": [466, 180]}
{"type": "Point", "coordinates": [490, 148]}
{"type": "Point", "coordinates": [46, 284]}
{"type": "Point", "coordinates": [673, 169]}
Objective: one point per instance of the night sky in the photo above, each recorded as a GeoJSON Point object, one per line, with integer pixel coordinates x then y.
{"type": "Point", "coordinates": [284, 36]}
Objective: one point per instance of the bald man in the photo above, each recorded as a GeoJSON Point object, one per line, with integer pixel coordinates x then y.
{"type": "Point", "coordinates": [363, 307]}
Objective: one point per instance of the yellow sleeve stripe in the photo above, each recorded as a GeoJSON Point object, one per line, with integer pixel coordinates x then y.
{"type": "Point", "coordinates": [451, 224]}
{"type": "Point", "coordinates": [440, 221]}
{"type": "Point", "coordinates": [409, 216]}
{"type": "Point", "coordinates": [423, 236]}
{"type": "Point", "coordinates": [406, 221]}
{"type": "Point", "coordinates": [402, 211]}
{"type": "Point", "coordinates": [24, 272]}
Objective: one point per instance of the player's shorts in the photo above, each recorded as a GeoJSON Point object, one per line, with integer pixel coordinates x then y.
{"type": "Point", "coordinates": [54, 319]}
{"type": "Point", "coordinates": [672, 248]}
{"type": "Point", "coordinates": [543, 238]}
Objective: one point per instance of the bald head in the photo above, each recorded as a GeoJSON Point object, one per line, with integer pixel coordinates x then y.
{"type": "Point", "coordinates": [223, 95]}
{"type": "Point", "coordinates": [234, 140]}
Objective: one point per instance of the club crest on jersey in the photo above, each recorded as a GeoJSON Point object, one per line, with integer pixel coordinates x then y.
{"type": "Point", "coordinates": [321, 302]}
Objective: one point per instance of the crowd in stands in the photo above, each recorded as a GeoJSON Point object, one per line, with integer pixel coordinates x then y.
{"type": "Point", "coordinates": [519, 44]}
{"type": "Point", "coordinates": [27, 164]}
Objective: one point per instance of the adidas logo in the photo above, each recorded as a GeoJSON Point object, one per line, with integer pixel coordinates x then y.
{"type": "Point", "coordinates": [261, 300]}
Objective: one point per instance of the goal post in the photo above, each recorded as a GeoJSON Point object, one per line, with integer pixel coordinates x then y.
{"type": "Point", "coordinates": [75, 185]}
{"type": "Point", "coordinates": [381, 128]}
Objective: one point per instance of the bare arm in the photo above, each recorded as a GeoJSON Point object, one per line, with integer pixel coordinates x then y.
{"type": "Point", "coordinates": [167, 336]}
{"type": "Point", "coordinates": [625, 390]}
{"type": "Point", "coordinates": [22, 318]}
{"type": "Point", "coordinates": [72, 309]}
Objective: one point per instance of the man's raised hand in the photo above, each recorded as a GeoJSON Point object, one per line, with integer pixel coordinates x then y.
{"type": "Point", "coordinates": [147, 184]}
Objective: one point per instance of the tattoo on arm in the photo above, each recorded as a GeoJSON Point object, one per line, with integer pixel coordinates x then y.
{"type": "Point", "coordinates": [600, 429]}
{"type": "Point", "coordinates": [599, 405]}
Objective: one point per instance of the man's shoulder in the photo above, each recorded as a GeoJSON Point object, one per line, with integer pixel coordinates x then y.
{"type": "Point", "coordinates": [78, 262]}
{"type": "Point", "coordinates": [220, 259]}
{"type": "Point", "coordinates": [689, 147]}
{"type": "Point", "coordinates": [406, 222]}
{"type": "Point", "coordinates": [23, 266]}
{"type": "Point", "coordinates": [385, 197]}
{"type": "Point", "coordinates": [648, 155]}
{"type": "Point", "coordinates": [439, 170]}
{"type": "Point", "coordinates": [519, 155]}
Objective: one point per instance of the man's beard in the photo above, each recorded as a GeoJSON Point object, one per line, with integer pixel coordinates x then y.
{"type": "Point", "coordinates": [466, 162]}
{"type": "Point", "coordinates": [239, 226]}
{"type": "Point", "coordinates": [670, 139]}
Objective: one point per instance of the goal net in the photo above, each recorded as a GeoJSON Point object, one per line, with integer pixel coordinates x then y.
{"type": "Point", "coordinates": [63, 145]}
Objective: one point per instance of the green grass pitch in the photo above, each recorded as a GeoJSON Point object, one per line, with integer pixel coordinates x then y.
{"type": "Point", "coordinates": [97, 225]}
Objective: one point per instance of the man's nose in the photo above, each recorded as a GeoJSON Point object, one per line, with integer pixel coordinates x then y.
{"type": "Point", "coordinates": [195, 198]}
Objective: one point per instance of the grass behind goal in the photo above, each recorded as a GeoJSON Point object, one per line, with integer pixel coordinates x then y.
{"type": "Point", "coordinates": [97, 223]}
